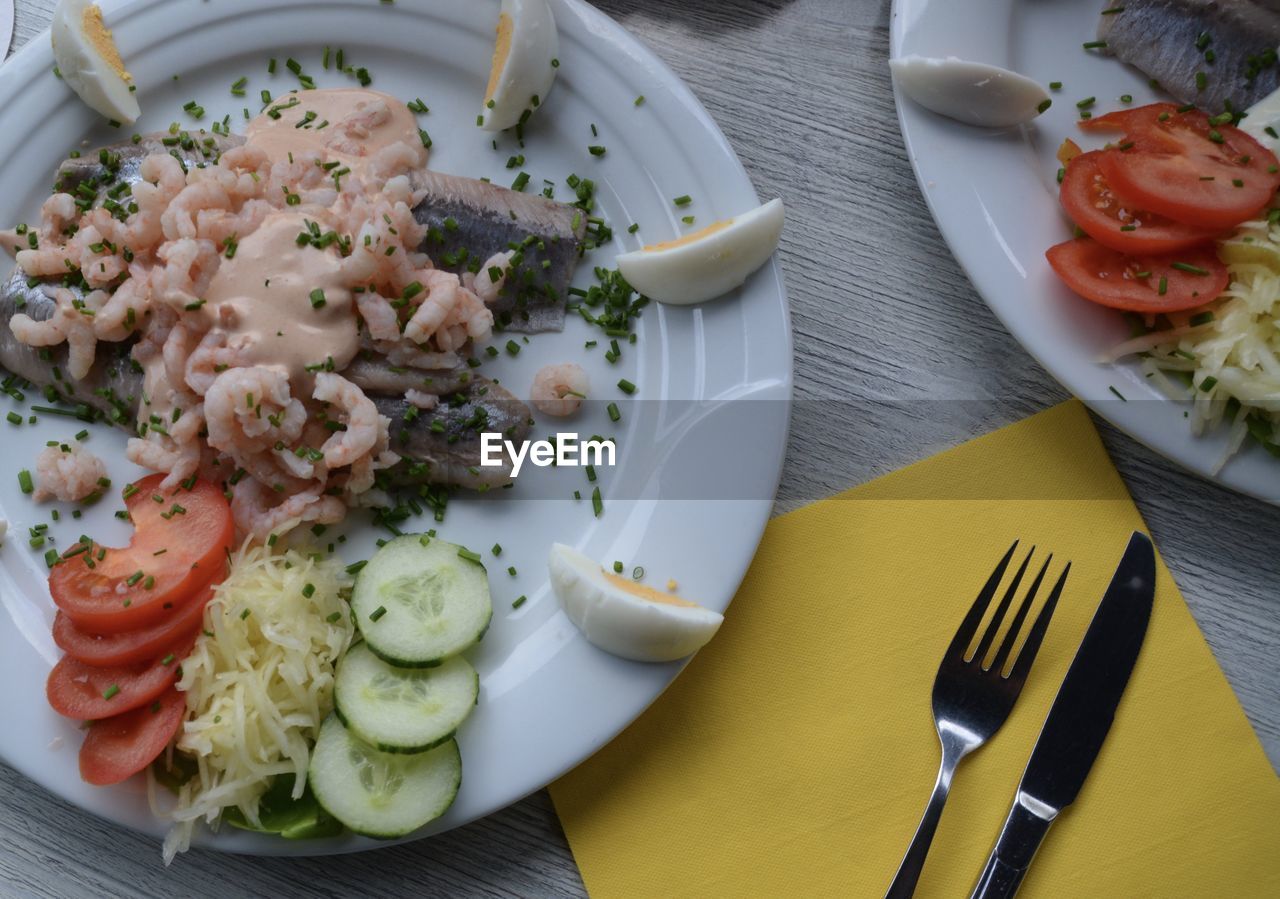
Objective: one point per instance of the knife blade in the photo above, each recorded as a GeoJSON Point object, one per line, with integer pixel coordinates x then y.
{"type": "Point", "coordinates": [1078, 720]}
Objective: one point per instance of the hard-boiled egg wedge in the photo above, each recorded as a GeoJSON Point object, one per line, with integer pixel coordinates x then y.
{"type": "Point", "coordinates": [89, 62]}
{"type": "Point", "coordinates": [626, 618]}
{"type": "Point", "coordinates": [707, 263]}
{"type": "Point", "coordinates": [971, 92]}
{"type": "Point", "coordinates": [524, 63]}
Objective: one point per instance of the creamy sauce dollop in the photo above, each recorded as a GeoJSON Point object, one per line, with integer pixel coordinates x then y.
{"type": "Point", "coordinates": [351, 125]}
{"type": "Point", "coordinates": [263, 299]}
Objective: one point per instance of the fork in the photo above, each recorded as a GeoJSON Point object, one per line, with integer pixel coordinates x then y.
{"type": "Point", "coordinates": [972, 700]}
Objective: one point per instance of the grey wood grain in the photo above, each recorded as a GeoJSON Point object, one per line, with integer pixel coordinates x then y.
{"type": "Point", "coordinates": [896, 358]}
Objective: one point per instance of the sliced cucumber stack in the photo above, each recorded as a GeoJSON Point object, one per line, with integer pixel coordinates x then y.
{"type": "Point", "coordinates": [421, 601]}
{"type": "Point", "coordinates": [381, 794]}
{"type": "Point", "coordinates": [403, 709]}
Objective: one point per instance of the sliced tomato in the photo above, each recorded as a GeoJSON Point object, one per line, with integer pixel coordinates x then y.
{"type": "Point", "coordinates": [88, 692]}
{"type": "Point", "coordinates": [131, 647]}
{"type": "Point", "coordinates": [1139, 283]}
{"type": "Point", "coordinates": [1115, 223]}
{"type": "Point", "coordinates": [1135, 119]}
{"type": "Point", "coordinates": [179, 543]}
{"type": "Point", "coordinates": [118, 747]}
{"type": "Point", "coordinates": [1184, 167]}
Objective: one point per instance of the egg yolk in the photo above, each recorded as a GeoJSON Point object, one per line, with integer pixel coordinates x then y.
{"type": "Point", "coordinates": [642, 592]}
{"type": "Point", "coordinates": [690, 238]}
{"type": "Point", "coordinates": [501, 50]}
{"type": "Point", "coordinates": [100, 37]}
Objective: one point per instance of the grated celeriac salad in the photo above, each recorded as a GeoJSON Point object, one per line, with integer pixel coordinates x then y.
{"type": "Point", "coordinates": [259, 682]}
{"type": "Point", "coordinates": [1224, 358]}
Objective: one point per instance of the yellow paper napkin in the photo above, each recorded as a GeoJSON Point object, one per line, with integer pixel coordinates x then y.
{"type": "Point", "coordinates": [794, 756]}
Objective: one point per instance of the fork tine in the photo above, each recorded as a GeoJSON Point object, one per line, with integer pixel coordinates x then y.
{"type": "Point", "coordinates": [964, 635]}
{"type": "Point", "coordinates": [1011, 637]}
{"type": "Point", "coordinates": [989, 637]}
{"type": "Point", "coordinates": [1028, 654]}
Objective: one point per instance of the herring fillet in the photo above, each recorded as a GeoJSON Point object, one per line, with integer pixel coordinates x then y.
{"type": "Point", "coordinates": [446, 454]}
{"type": "Point", "coordinates": [1161, 37]}
{"type": "Point", "coordinates": [469, 220]}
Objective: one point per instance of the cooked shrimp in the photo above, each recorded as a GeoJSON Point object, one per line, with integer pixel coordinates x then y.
{"type": "Point", "coordinates": [69, 474]}
{"type": "Point", "coordinates": [444, 292]}
{"type": "Point", "coordinates": [189, 266]}
{"type": "Point", "coordinates": [421, 399]}
{"type": "Point", "coordinates": [72, 322]}
{"type": "Point", "coordinates": [56, 215]}
{"type": "Point", "coordinates": [248, 410]}
{"type": "Point", "coordinates": [485, 285]}
{"type": "Point", "coordinates": [559, 390]}
{"type": "Point", "coordinates": [251, 506]}
{"type": "Point", "coordinates": [178, 218]}
{"type": "Point", "coordinates": [365, 427]}
{"type": "Point", "coordinates": [212, 356]}
{"type": "Point", "coordinates": [124, 310]}
{"type": "Point", "coordinates": [379, 316]}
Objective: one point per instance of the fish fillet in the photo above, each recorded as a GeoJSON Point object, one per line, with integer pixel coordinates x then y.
{"type": "Point", "coordinates": [1215, 54]}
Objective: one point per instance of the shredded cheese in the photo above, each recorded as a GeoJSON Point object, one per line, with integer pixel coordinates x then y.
{"type": "Point", "coordinates": [1225, 358]}
{"type": "Point", "coordinates": [259, 682]}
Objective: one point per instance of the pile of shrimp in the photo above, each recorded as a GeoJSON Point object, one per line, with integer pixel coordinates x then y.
{"type": "Point", "coordinates": [296, 452]}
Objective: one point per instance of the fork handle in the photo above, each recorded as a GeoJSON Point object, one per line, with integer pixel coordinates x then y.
{"type": "Point", "coordinates": [1023, 832]}
{"type": "Point", "coordinates": [904, 882]}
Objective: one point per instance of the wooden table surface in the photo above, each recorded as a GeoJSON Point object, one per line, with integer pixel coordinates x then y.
{"type": "Point", "coordinates": [886, 373]}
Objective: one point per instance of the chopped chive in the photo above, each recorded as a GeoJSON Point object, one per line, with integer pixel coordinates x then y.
{"type": "Point", "coordinates": [1189, 268]}
{"type": "Point", "coordinates": [628, 388]}
{"type": "Point", "coordinates": [519, 601]}
{"type": "Point", "coordinates": [111, 691]}
{"type": "Point", "coordinates": [25, 482]}
{"type": "Point", "coordinates": [1044, 104]}
{"type": "Point", "coordinates": [597, 504]}
{"type": "Point", "coordinates": [1208, 384]}
{"type": "Point", "coordinates": [683, 200]}
{"type": "Point", "coordinates": [1094, 45]}
{"type": "Point", "coordinates": [1117, 393]}
{"type": "Point", "coordinates": [464, 553]}
{"type": "Point", "coordinates": [1164, 286]}
{"type": "Point", "coordinates": [377, 613]}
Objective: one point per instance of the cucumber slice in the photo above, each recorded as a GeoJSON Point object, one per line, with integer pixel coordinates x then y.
{"type": "Point", "coordinates": [403, 709]}
{"type": "Point", "coordinates": [420, 601]}
{"type": "Point", "coordinates": [381, 794]}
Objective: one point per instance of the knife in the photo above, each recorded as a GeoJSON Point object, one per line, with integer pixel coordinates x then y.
{"type": "Point", "coordinates": [1078, 721]}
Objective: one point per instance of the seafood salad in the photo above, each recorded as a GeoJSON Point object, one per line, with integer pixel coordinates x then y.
{"type": "Point", "coordinates": [283, 312]}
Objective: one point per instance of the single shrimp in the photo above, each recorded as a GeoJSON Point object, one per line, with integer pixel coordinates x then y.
{"type": "Point", "coordinates": [124, 310]}
{"type": "Point", "coordinates": [486, 285]}
{"type": "Point", "coordinates": [558, 390]}
{"type": "Point", "coordinates": [69, 473]}
{"type": "Point", "coordinates": [366, 429]}
{"type": "Point", "coordinates": [379, 316]}
{"type": "Point", "coordinates": [72, 322]}
{"type": "Point", "coordinates": [56, 214]}
{"type": "Point", "coordinates": [248, 410]}
{"type": "Point", "coordinates": [444, 292]}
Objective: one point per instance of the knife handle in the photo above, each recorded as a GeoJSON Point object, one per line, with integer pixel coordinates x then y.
{"type": "Point", "coordinates": [1023, 831]}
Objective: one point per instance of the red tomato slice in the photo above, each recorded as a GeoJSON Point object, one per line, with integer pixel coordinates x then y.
{"type": "Point", "coordinates": [130, 647]}
{"type": "Point", "coordinates": [1189, 169]}
{"type": "Point", "coordinates": [1112, 279]}
{"type": "Point", "coordinates": [118, 747]}
{"type": "Point", "coordinates": [179, 541]}
{"type": "Point", "coordinates": [1115, 223]}
{"type": "Point", "coordinates": [1133, 120]}
{"type": "Point", "coordinates": [88, 693]}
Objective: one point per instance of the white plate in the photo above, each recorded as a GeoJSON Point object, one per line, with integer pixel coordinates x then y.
{"type": "Point", "coordinates": [994, 196]}
{"type": "Point", "coordinates": [548, 698]}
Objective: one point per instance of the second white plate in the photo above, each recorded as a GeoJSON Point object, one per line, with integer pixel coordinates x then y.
{"type": "Point", "coordinates": [995, 199]}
